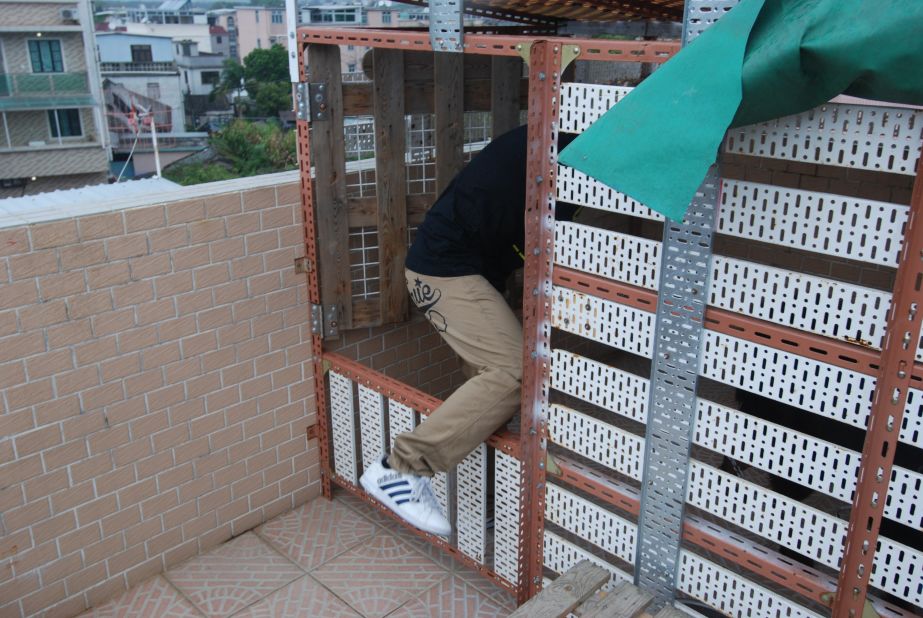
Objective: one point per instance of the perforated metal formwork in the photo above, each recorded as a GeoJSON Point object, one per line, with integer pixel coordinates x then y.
{"type": "Point", "coordinates": [561, 555]}
{"type": "Point", "coordinates": [471, 500]}
{"type": "Point", "coordinates": [371, 425]}
{"type": "Point", "coordinates": [343, 427]}
{"type": "Point", "coordinates": [507, 482]}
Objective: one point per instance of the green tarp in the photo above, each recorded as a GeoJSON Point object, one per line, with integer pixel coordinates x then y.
{"type": "Point", "coordinates": [763, 60]}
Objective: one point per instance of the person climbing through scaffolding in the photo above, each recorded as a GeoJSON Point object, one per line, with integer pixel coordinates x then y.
{"type": "Point", "coordinates": [457, 268]}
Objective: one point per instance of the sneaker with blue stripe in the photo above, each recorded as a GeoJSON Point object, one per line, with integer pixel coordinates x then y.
{"type": "Point", "coordinates": [408, 495]}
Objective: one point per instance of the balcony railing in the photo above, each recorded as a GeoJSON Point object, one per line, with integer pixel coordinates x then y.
{"type": "Point", "coordinates": [137, 67]}
{"type": "Point", "coordinates": [37, 84]}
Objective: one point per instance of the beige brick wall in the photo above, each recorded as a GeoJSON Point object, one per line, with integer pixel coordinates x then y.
{"type": "Point", "coordinates": [155, 388]}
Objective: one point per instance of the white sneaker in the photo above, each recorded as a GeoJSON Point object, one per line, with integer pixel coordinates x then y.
{"type": "Point", "coordinates": [408, 495]}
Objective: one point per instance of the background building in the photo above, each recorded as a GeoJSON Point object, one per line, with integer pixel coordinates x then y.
{"type": "Point", "coordinates": [259, 28]}
{"type": "Point", "coordinates": [52, 133]}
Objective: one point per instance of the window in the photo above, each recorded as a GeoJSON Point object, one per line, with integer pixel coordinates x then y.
{"type": "Point", "coordinates": [257, 15]}
{"type": "Point", "coordinates": [218, 39]}
{"type": "Point", "coordinates": [64, 122]}
{"type": "Point", "coordinates": [278, 17]}
{"type": "Point", "coordinates": [210, 78]}
{"type": "Point", "coordinates": [153, 90]}
{"type": "Point", "coordinates": [141, 53]}
{"type": "Point", "coordinates": [350, 47]}
{"type": "Point", "coordinates": [230, 22]}
{"type": "Point", "coordinates": [386, 17]}
{"type": "Point", "coordinates": [351, 67]}
{"type": "Point", "coordinates": [46, 56]}
{"type": "Point", "coordinates": [259, 43]}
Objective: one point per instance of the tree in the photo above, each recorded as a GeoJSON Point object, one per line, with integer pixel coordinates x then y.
{"type": "Point", "coordinates": [232, 76]}
{"type": "Point", "coordinates": [265, 76]}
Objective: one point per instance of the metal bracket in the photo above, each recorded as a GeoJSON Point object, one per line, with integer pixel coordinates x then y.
{"type": "Point", "coordinates": [312, 101]}
{"type": "Point", "coordinates": [324, 323]}
{"type": "Point", "coordinates": [569, 53]}
{"type": "Point", "coordinates": [446, 25]}
{"type": "Point", "coordinates": [525, 51]}
{"type": "Point", "coordinates": [303, 265]}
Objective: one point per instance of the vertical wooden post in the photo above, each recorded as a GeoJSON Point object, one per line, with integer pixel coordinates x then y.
{"type": "Point", "coordinates": [541, 174]}
{"type": "Point", "coordinates": [330, 192]}
{"type": "Point", "coordinates": [902, 337]}
{"type": "Point", "coordinates": [391, 180]}
{"type": "Point", "coordinates": [505, 77]}
{"type": "Point", "coordinates": [448, 69]}
{"type": "Point", "coordinates": [308, 208]}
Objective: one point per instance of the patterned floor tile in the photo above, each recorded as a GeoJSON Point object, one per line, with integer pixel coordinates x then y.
{"type": "Point", "coordinates": [233, 576]}
{"type": "Point", "coordinates": [379, 575]}
{"type": "Point", "coordinates": [453, 597]}
{"type": "Point", "coordinates": [363, 508]}
{"type": "Point", "coordinates": [498, 595]}
{"type": "Point", "coordinates": [302, 598]}
{"type": "Point", "coordinates": [316, 532]}
{"type": "Point", "coordinates": [155, 597]}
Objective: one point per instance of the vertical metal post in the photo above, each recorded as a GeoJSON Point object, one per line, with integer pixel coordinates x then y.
{"type": "Point", "coordinates": [6, 131]}
{"type": "Point", "coordinates": [541, 173]}
{"type": "Point", "coordinates": [685, 271]}
{"type": "Point", "coordinates": [310, 237]}
{"type": "Point", "coordinates": [902, 336]}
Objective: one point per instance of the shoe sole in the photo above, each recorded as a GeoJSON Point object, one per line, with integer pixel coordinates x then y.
{"type": "Point", "coordinates": [382, 497]}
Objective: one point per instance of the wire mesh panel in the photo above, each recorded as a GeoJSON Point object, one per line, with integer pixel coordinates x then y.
{"type": "Point", "coordinates": [371, 425]}
{"type": "Point", "coordinates": [507, 480]}
{"type": "Point", "coordinates": [359, 133]}
{"type": "Point", "coordinates": [421, 154]}
{"type": "Point", "coordinates": [343, 427]}
{"type": "Point", "coordinates": [471, 513]}
{"type": "Point", "coordinates": [365, 271]}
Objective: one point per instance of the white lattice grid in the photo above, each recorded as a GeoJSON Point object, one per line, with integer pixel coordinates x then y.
{"type": "Point", "coordinates": [477, 131]}
{"type": "Point", "coordinates": [583, 104]}
{"type": "Point", "coordinates": [858, 136]}
{"type": "Point", "coordinates": [608, 254]}
{"type": "Point", "coordinates": [592, 523]}
{"type": "Point", "coordinates": [611, 323]}
{"type": "Point", "coordinates": [732, 594]}
{"type": "Point", "coordinates": [826, 223]}
{"type": "Point", "coordinates": [800, 528]}
{"type": "Point", "coordinates": [803, 459]}
{"type": "Point", "coordinates": [594, 382]}
{"type": "Point", "coordinates": [507, 480]}
{"type": "Point", "coordinates": [343, 427]}
{"type": "Point", "coordinates": [814, 304]}
{"type": "Point", "coordinates": [359, 134]}
{"type": "Point", "coordinates": [421, 153]}
{"type": "Point", "coordinates": [471, 498]}
{"type": "Point", "coordinates": [400, 420]}
{"type": "Point", "coordinates": [363, 262]}
{"type": "Point", "coordinates": [371, 425]}
{"type": "Point", "coordinates": [561, 555]}
{"type": "Point", "coordinates": [596, 440]}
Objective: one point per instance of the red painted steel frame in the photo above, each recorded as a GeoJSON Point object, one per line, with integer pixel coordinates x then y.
{"type": "Point", "coordinates": [310, 235]}
{"type": "Point", "coordinates": [541, 174]}
{"type": "Point", "coordinates": [902, 337]}
{"type": "Point", "coordinates": [493, 44]}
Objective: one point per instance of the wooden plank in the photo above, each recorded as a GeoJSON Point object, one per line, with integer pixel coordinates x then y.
{"type": "Point", "coordinates": [363, 211]}
{"type": "Point", "coordinates": [565, 593]}
{"type": "Point", "coordinates": [450, 118]}
{"type": "Point", "coordinates": [506, 74]}
{"type": "Point", "coordinates": [329, 157]}
{"type": "Point", "coordinates": [418, 97]}
{"type": "Point", "coordinates": [670, 612]}
{"type": "Point", "coordinates": [624, 601]}
{"type": "Point", "coordinates": [391, 181]}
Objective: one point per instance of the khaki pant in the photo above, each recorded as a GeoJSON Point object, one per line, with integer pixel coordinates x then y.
{"type": "Point", "coordinates": [474, 319]}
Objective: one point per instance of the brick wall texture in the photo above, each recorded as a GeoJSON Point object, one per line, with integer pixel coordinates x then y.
{"type": "Point", "coordinates": [155, 387]}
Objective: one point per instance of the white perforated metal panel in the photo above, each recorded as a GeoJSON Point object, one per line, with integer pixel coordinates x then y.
{"type": "Point", "coordinates": [597, 383]}
{"type": "Point", "coordinates": [899, 570]}
{"type": "Point", "coordinates": [507, 479]}
{"type": "Point", "coordinates": [622, 257]}
{"type": "Point", "coordinates": [858, 136]}
{"type": "Point", "coordinates": [440, 485]}
{"type": "Point", "coordinates": [731, 593]}
{"type": "Point", "coordinates": [904, 497]}
{"type": "Point", "coordinates": [471, 500]}
{"type": "Point", "coordinates": [583, 104]}
{"type": "Point", "coordinates": [821, 388]}
{"type": "Point", "coordinates": [343, 427]}
{"type": "Point", "coordinates": [588, 521]}
{"type": "Point", "coordinates": [400, 420]}
{"type": "Point", "coordinates": [371, 425]}
{"type": "Point", "coordinates": [813, 304]}
{"type": "Point", "coordinates": [619, 326]}
{"type": "Point", "coordinates": [598, 441]}
{"type": "Point", "coordinates": [864, 230]}
{"type": "Point", "coordinates": [700, 14]}
{"type": "Point", "coordinates": [912, 425]}
{"type": "Point", "coordinates": [561, 555]}
{"type": "Point", "coordinates": [577, 188]}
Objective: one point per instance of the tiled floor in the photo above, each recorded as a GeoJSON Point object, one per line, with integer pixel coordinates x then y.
{"type": "Point", "coordinates": [325, 559]}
